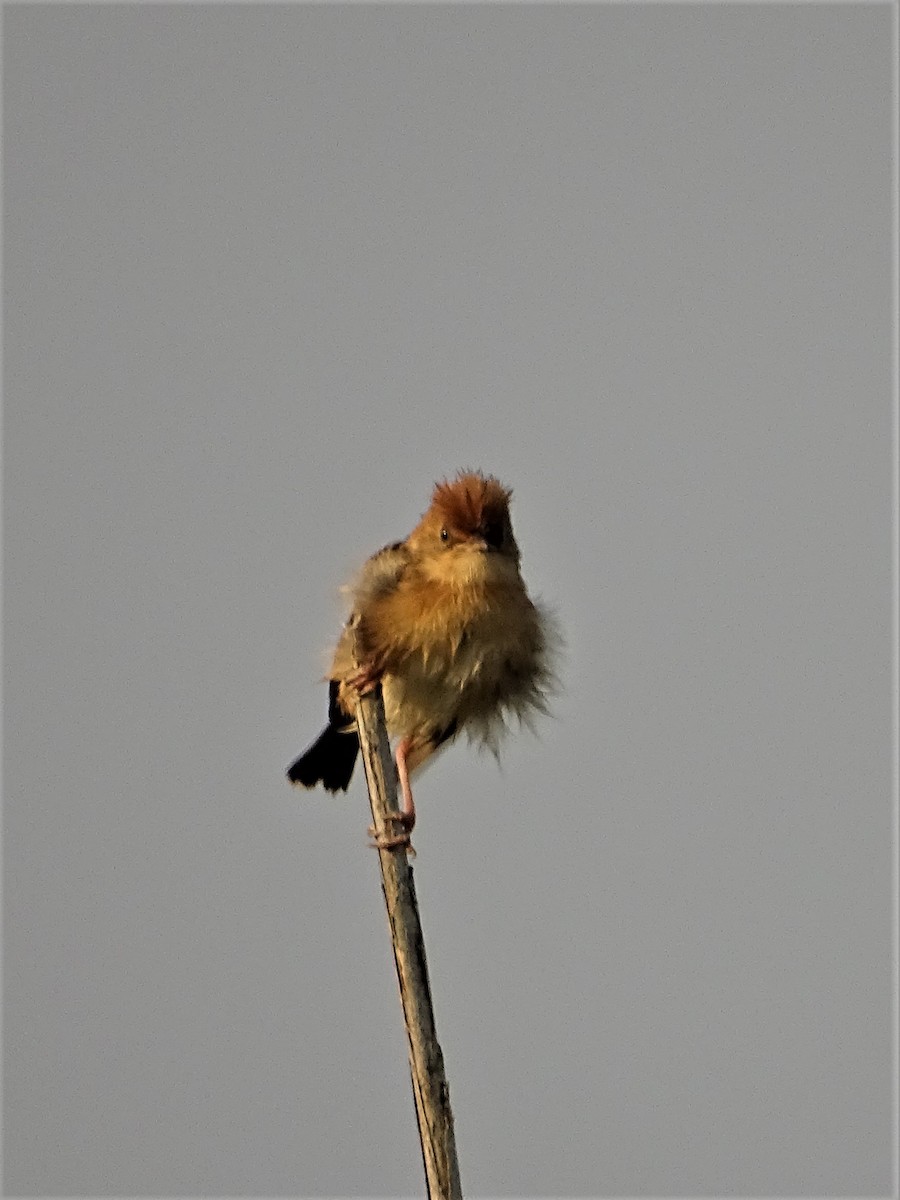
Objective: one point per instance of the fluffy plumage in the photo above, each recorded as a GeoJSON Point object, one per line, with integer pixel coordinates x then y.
{"type": "Point", "coordinates": [445, 622]}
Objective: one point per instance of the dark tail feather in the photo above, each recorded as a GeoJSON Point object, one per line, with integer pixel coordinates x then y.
{"type": "Point", "coordinates": [329, 760]}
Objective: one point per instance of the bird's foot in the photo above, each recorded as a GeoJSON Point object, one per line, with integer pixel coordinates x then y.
{"type": "Point", "coordinates": [363, 680]}
{"type": "Point", "coordinates": [406, 821]}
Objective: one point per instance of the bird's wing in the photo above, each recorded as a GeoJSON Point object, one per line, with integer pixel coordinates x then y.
{"type": "Point", "coordinates": [379, 576]}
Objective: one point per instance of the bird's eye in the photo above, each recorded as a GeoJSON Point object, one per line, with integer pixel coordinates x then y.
{"type": "Point", "coordinates": [445, 535]}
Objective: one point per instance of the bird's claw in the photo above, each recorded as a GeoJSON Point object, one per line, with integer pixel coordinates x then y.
{"type": "Point", "coordinates": [394, 841]}
{"type": "Point", "coordinates": [363, 680]}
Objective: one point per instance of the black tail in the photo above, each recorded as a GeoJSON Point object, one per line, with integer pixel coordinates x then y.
{"type": "Point", "coordinates": [329, 760]}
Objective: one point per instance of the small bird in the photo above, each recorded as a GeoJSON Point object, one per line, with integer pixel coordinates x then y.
{"type": "Point", "coordinates": [444, 622]}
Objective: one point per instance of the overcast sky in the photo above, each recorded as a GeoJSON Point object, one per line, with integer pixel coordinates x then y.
{"type": "Point", "coordinates": [270, 272]}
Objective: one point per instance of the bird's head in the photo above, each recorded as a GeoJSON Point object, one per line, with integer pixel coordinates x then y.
{"type": "Point", "coordinates": [466, 535]}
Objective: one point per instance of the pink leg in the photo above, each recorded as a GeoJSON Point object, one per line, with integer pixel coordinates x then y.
{"type": "Point", "coordinates": [407, 804]}
{"type": "Point", "coordinates": [363, 680]}
{"type": "Point", "coordinates": [406, 817]}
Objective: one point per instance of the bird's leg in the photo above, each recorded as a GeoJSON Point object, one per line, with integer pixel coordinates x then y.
{"type": "Point", "coordinates": [363, 680]}
{"type": "Point", "coordinates": [406, 817]}
{"type": "Point", "coordinates": [407, 814]}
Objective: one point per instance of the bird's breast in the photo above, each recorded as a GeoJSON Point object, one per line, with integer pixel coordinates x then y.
{"type": "Point", "coordinates": [465, 660]}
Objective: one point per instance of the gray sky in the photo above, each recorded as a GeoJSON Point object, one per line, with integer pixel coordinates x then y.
{"type": "Point", "coordinates": [270, 272]}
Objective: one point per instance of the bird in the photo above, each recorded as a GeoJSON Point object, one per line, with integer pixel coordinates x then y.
{"type": "Point", "coordinates": [444, 622]}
